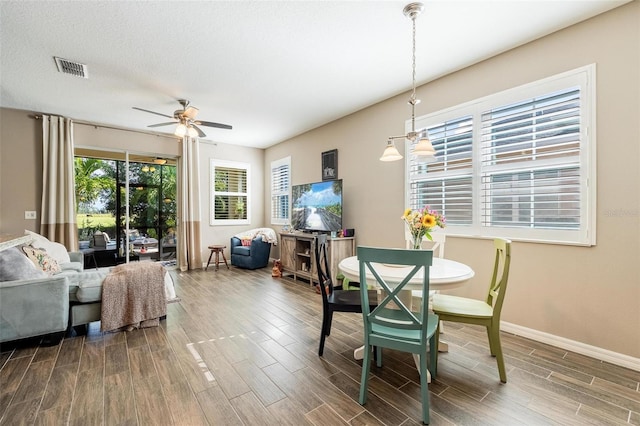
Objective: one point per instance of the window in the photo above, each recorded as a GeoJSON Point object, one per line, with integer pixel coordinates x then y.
{"type": "Point", "coordinates": [230, 193]}
{"type": "Point", "coordinates": [280, 190]}
{"type": "Point", "coordinates": [518, 164]}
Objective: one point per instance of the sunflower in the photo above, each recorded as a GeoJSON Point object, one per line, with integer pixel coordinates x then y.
{"type": "Point", "coordinates": [428, 221]}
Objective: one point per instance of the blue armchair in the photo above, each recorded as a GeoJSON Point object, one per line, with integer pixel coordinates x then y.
{"type": "Point", "coordinates": [250, 257]}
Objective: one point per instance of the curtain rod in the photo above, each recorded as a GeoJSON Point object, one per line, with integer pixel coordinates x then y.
{"type": "Point", "coordinates": [104, 126]}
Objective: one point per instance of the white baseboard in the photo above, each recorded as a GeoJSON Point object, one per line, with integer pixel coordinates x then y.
{"type": "Point", "coordinates": [573, 346]}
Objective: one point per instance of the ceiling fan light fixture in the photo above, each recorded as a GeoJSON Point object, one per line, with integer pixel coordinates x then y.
{"type": "Point", "coordinates": [181, 130]}
{"type": "Point", "coordinates": [192, 132]}
{"type": "Point", "coordinates": [390, 152]}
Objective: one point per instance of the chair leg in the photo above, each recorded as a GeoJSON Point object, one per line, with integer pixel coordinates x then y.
{"type": "Point", "coordinates": [492, 348]}
{"type": "Point", "coordinates": [364, 379]}
{"type": "Point", "coordinates": [329, 321]}
{"type": "Point", "coordinates": [324, 332]}
{"type": "Point", "coordinates": [424, 389]}
{"type": "Point", "coordinates": [378, 355]}
{"type": "Point", "coordinates": [433, 355]}
{"type": "Point", "coordinates": [322, 337]}
{"type": "Point", "coordinates": [496, 350]}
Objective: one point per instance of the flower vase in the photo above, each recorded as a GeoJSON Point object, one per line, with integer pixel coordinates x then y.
{"type": "Point", "coordinates": [417, 242]}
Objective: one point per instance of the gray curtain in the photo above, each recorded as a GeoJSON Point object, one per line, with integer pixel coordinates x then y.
{"type": "Point", "coordinates": [58, 212]}
{"type": "Point", "coordinates": [189, 246]}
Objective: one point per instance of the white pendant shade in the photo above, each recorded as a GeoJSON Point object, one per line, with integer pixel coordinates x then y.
{"type": "Point", "coordinates": [193, 132]}
{"type": "Point", "coordinates": [390, 153]}
{"type": "Point", "coordinates": [424, 148]}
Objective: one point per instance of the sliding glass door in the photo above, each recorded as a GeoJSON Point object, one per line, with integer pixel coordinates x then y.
{"type": "Point", "coordinates": [126, 206]}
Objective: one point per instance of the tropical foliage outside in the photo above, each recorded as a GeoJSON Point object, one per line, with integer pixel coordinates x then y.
{"type": "Point", "coordinates": [152, 197]}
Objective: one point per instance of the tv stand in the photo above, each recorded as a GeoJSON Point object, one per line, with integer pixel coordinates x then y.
{"type": "Point", "coordinates": [297, 254]}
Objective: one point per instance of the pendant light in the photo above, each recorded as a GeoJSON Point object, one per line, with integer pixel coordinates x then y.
{"type": "Point", "coordinates": [423, 147]}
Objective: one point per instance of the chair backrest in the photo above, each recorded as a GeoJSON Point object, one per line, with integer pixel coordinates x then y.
{"type": "Point", "coordinates": [500, 276]}
{"type": "Point", "coordinates": [391, 311]}
{"type": "Point", "coordinates": [322, 266]}
{"type": "Point", "coordinates": [100, 239]}
{"type": "Point", "coordinates": [436, 244]}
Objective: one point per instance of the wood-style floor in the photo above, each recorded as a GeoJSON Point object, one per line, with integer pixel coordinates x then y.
{"type": "Point", "coordinates": [241, 348]}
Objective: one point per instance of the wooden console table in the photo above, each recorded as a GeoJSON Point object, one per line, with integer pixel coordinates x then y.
{"type": "Point", "coordinates": [297, 254]}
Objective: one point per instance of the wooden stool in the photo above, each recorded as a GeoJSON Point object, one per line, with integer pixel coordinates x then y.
{"type": "Point", "coordinates": [217, 249]}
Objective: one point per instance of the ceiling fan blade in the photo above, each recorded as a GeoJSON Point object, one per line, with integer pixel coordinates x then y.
{"type": "Point", "coordinates": [200, 132]}
{"type": "Point", "coordinates": [163, 124]}
{"type": "Point", "coordinates": [153, 112]}
{"type": "Point", "coordinates": [190, 112]}
{"type": "Point", "coordinates": [211, 124]}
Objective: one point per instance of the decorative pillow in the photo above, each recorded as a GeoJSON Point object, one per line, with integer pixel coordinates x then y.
{"type": "Point", "coordinates": [55, 250]}
{"type": "Point", "coordinates": [246, 241]}
{"type": "Point", "coordinates": [42, 260]}
{"type": "Point", "coordinates": [15, 266]}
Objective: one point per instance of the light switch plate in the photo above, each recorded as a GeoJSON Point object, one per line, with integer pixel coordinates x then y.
{"type": "Point", "coordinates": [29, 214]}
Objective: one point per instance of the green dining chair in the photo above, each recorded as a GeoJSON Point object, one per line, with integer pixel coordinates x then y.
{"type": "Point", "coordinates": [392, 324]}
{"type": "Point", "coordinates": [482, 312]}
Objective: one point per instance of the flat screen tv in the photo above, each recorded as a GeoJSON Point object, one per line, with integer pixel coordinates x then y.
{"type": "Point", "coordinates": [317, 207]}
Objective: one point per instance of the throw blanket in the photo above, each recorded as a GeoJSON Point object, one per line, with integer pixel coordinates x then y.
{"type": "Point", "coordinates": [268, 235]}
{"type": "Point", "coordinates": [133, 295]}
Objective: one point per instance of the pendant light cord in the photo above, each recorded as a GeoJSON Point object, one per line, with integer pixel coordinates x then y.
{"type": "Point", "coordinates": [413, 78]}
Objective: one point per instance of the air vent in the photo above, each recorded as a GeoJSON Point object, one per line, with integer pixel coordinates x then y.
{"type": "Point", "coordinates": [69, 67]}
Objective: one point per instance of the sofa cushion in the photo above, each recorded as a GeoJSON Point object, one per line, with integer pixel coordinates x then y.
{"type": "Point", "coordinates": [56, 250]}
{"type": "Point", "coordinates": [72, 266]}
{"type": "Point", "coordinates": [41, 259]}
{"type": "Point", "coordinates": [90, 285]}
{"type": "Point", "coordinates": [14, 265]}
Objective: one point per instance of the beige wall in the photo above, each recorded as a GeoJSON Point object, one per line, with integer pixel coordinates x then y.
{"type": "Point", "coordinates": [590, 296]}
{"type": "Point", "coordinates": [21, 170]}
{"type": "Point", "coordinates": [219, 151]}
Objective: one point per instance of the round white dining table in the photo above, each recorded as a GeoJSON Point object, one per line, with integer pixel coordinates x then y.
{"type": "Point", "coordinates": [444, 274]}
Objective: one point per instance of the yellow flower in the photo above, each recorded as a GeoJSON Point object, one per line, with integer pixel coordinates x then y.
{"type": "Point", "coordinates": [407, 212]}
{"type": "Point", "coordinates": [428, 221]}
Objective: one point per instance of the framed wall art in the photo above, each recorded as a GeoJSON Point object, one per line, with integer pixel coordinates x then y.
{"type": "Point", "coordinates": [330, 165]}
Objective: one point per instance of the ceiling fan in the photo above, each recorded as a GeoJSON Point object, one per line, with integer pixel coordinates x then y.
{"type": "Point", "coordinates": [186, 120]}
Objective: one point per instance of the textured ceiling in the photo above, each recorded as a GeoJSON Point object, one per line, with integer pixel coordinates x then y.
{"type": "Point", "coordinates": [272, 69]}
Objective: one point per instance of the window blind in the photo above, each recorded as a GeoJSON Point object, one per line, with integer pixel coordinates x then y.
{"type": "Point", "coordinates": [530, 161]}
{"type": "Point", "coordinates": [230, 200]}
{"type": "Point", "coordinates": [280, 188]}
{"type": "Point", "coordinates": [446, 184]}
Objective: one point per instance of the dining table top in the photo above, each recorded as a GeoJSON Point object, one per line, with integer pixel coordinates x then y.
{"type": "Point", "coordinates": [443, 273]}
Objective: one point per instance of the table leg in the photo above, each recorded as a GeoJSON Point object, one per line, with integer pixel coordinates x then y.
{"type": "Point", "coordinates": [208, 261]}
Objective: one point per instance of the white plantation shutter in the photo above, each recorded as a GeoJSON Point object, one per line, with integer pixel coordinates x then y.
{"type": "Point", "coordinates": [447, 187]}
{"type": "Point", "coordinates": [531, 163]}
{"type": "Point", "coordinates": [280, 189]}
{"type": "Point", "coordinates": [518, 164]}
{"type": "Point", "coordinates": [230, 193]}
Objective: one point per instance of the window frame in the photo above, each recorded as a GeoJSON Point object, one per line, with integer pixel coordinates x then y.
{"type": "Point", "coordinates": [583, 77]}
{"type": "Point", "coordinates": [277, 195]}
{"type": "Point", "coordinates": [246, 167]}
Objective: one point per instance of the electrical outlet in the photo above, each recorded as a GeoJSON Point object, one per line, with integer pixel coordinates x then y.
{"type": "Point", "coordinates": [29, 214]}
